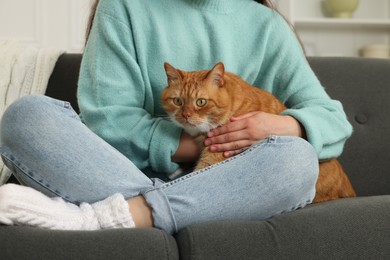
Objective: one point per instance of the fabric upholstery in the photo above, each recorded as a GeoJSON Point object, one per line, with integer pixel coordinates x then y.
{"type": "Point", "coordinates": [63, 82]}
{"type": "Point", "coordinates": [34, 243]}
{"type": "Point", "coordinates": [363, 87]}
{"type": "Point", "coordinates": [332, 230]}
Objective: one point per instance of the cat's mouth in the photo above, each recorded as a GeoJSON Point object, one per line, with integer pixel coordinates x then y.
{"type": "Point", "coordinates": [187, 123]}
{"type": "Point", "coordinates": [194, 127]}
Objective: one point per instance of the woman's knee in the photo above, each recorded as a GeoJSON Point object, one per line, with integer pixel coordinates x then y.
{"type": "Point", "coordinates": [307, 156]}
{"type": "Point", "coordinates": [302, 168]}
{"type": "Point", "coordinates": [21, 116]}
{"type": "Point", "coordinates": [29, 114]}
{"type": "Point", "coordinates": [30, 107]}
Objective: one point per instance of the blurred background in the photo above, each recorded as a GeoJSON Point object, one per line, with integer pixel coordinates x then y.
{"type": "Point", "coordinates": [326, 27]}
{"type": "Point", "coordinates": [341, 27]}
{"type": "Point", "coordinates": [45, 23]}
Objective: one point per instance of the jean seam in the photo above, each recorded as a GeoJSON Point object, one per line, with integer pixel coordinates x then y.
{"type": "Point", "coordinates": [69, 107]}
{"type": "Point", "coordinates": [150, 196]}
{"type": "Point", "coordinates": [18, 165]}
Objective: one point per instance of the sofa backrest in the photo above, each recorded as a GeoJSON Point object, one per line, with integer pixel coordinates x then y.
{"type": "Point", "coordinates": [63, 80]}
{"type": "Point", "coordinates": [363, 87]}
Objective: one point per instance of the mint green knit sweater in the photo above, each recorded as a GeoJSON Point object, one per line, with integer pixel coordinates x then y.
{"type": "Point", "coordinates": [122, 73]}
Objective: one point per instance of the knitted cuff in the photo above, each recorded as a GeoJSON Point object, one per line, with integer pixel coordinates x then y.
{"type": "Point", "coordinates": [113, 212]}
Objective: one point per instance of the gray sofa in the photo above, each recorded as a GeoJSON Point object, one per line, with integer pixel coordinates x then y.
{"type": "Point", "coordinates": [357, 228]}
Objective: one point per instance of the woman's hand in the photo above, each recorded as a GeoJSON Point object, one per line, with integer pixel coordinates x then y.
{"type": "Point", "coordinates": [245, 130]}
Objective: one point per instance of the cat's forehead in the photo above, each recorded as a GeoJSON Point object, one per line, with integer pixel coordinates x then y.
{"type": "Point", "coordinates": [195, 79]}
{"type": "Point", "coordinates": [192, 82]}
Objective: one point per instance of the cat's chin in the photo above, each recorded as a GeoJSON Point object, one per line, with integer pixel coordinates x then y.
{"type": "Point", "coordinates": [198, 130]}
{"type": "Point", "coordinates": [193, 131]}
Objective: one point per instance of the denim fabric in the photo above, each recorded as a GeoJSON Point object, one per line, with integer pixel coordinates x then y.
{"type": "Point", "coordinates": [48, 148]}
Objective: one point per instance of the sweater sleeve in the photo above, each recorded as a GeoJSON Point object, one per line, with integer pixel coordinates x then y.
{"type": "Point", "coordinates": [112, 94]}
{"type": "Point", "coordinates": [296, 85]}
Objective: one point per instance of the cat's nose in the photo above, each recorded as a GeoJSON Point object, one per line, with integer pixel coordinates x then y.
{"type": "Point", "coordinates": [186, 114]}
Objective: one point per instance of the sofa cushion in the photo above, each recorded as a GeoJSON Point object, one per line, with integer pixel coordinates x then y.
{"type": "Point", "coordinates": [35, 243]}
{"type": "Point", "coordinates": [355, 228]}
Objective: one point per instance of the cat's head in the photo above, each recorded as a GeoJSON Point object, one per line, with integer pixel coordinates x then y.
{"type": "Point", "coordinates": [197, 100]}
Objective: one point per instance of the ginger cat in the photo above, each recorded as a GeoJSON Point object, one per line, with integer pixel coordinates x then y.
{"type": "Point", "coordinates": [202, 100]}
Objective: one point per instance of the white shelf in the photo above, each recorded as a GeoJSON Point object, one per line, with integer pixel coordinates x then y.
{"type": "Point", "coordinates": [327, 22]}
{"type": "Point", "coordinates": [323, 35]}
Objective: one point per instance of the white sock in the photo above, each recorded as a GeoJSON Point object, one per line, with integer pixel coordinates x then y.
{"type": "Point", "coordinates": [20, 205]}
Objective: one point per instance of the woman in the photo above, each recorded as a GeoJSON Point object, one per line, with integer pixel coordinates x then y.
{"type": "Point", "coordinates": [123, 181]}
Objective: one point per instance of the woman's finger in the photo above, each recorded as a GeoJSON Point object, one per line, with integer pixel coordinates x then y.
{"type": "Point", "coordinates": [231, 147]}
{"type": "Point", "coordinates": [226, 138]}
{"type": "Point", "coordinates": [227, 128]}
{"type": "Point", "coordinates": [233, 153]}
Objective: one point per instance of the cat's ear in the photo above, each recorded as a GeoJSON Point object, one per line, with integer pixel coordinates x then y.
{"type": "Point", "coordinates": [216, 74]}
{"type": "Point", "coordinates": [172, 73]}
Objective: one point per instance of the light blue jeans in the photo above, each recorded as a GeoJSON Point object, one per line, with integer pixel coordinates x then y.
{"type": "Point", "coordinates": [47, 147]}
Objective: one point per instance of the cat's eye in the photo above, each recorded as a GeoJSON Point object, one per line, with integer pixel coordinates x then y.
{"type": "Point", "coordinates": [201, 102]}
{"type": "Point", "coordinates": [177, 101]}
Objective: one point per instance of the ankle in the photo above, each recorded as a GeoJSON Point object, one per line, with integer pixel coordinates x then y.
{"type": "Point", "coordinates": [141, 212]}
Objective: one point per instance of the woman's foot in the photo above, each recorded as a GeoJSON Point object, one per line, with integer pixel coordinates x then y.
{"type": "Point", "coordinates": [20, 205]}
